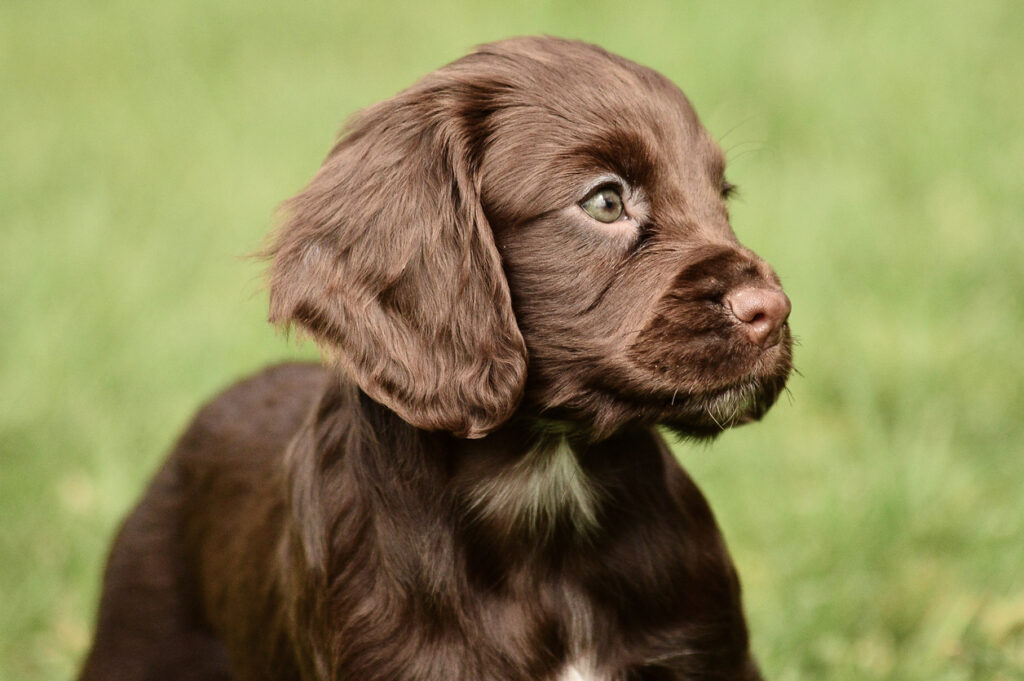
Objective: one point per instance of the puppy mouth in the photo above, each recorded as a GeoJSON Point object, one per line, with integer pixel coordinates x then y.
{"type": "Point", "coordinates": [696, 394]}
{"type": "Point", "coordinates": [708, 413]}
{"type": "Point", "coordinates": [738, 404]}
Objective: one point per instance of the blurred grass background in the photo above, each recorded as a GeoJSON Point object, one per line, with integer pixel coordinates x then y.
{"type": "Point", "coordinates": [877, 516]}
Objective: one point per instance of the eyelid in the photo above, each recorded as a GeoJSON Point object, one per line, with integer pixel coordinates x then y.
{"type": "Point", "coordinates": [609, 181]}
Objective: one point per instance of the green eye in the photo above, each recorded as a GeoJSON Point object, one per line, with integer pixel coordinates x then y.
{"type": "Point", "coordinates": [604, 205]}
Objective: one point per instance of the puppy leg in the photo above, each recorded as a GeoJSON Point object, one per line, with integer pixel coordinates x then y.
{"type": "Point", "coordinates": [149, 624]}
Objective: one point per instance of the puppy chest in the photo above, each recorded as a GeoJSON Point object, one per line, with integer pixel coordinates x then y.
{"type": "Point", "coordinates": [582, 669]}
{"type": "Point", "coordinates": [545, 487]}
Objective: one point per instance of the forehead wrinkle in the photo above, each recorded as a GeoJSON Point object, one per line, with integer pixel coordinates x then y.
{"type": "Point", "coordinates": [626, 153]}
{"type": "Point", "coordinates": [542, 150]}
{"type": "Point", "coordinates": [547, 160]}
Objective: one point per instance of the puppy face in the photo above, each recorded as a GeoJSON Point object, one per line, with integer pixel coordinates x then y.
{"type": "Point", "coordinates": [608, 203]}
{"type": "Point", "coordinates": [542, 222]}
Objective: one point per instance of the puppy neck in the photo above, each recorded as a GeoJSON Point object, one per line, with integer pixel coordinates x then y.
{"type": "Point", "coordinates": [535, 484]}
{"type": "Point", "coordinates": [523, 482]}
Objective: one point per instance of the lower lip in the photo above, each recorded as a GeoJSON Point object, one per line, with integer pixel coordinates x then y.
{"type": "Point", "coordinates": [734, 402]}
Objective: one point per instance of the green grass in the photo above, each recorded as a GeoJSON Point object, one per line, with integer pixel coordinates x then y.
{"type": "Point", "coordinates": [877, 516]}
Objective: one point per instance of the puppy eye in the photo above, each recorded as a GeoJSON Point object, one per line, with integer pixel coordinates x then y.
{"type": "Point", "coordinates": [728, 189]}
{"type": "Point", "coordinates": [604, 205]}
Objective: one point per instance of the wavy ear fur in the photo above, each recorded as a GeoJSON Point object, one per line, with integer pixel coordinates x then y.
{"type": "Point", "coordinates": [387, 259]}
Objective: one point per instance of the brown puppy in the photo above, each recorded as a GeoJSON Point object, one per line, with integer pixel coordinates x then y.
{"type": "Point", "coordinates": [517, 267]}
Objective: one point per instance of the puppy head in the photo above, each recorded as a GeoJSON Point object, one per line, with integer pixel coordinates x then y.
{"type": "Point", "coordinates": [538, 199]}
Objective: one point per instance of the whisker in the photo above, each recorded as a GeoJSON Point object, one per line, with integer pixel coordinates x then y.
{"type": "Point", "coordinates": [708, 410]}
{"type": "Point", "coordinates": [735, 128]}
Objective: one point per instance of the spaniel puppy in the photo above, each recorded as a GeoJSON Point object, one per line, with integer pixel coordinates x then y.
{"type": "Point", "coordinates": [516, 268]}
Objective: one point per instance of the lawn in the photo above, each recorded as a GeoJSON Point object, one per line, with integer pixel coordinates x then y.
{"type": "Point", "coordinates": [876, 515]}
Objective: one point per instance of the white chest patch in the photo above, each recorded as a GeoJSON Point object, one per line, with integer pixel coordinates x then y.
{"type": "Point", "coordinates": [547, 483]}
{"type": "Point", "coordinates": [581, 670]}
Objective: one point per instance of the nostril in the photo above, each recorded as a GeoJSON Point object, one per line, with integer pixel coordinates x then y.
{"type": "Point", "coordinates": [763, 311]}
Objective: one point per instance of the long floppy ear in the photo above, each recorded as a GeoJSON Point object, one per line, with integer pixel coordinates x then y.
{"type": "Point", "coordinates": [388, 261]}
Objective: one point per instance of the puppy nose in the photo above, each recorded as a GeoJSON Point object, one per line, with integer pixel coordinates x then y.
{"type": "Point", "coordinates": [763, 311]}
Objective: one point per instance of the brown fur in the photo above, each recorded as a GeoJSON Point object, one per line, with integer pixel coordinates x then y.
{"type": "Point", "coordinates": [474, 489]}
